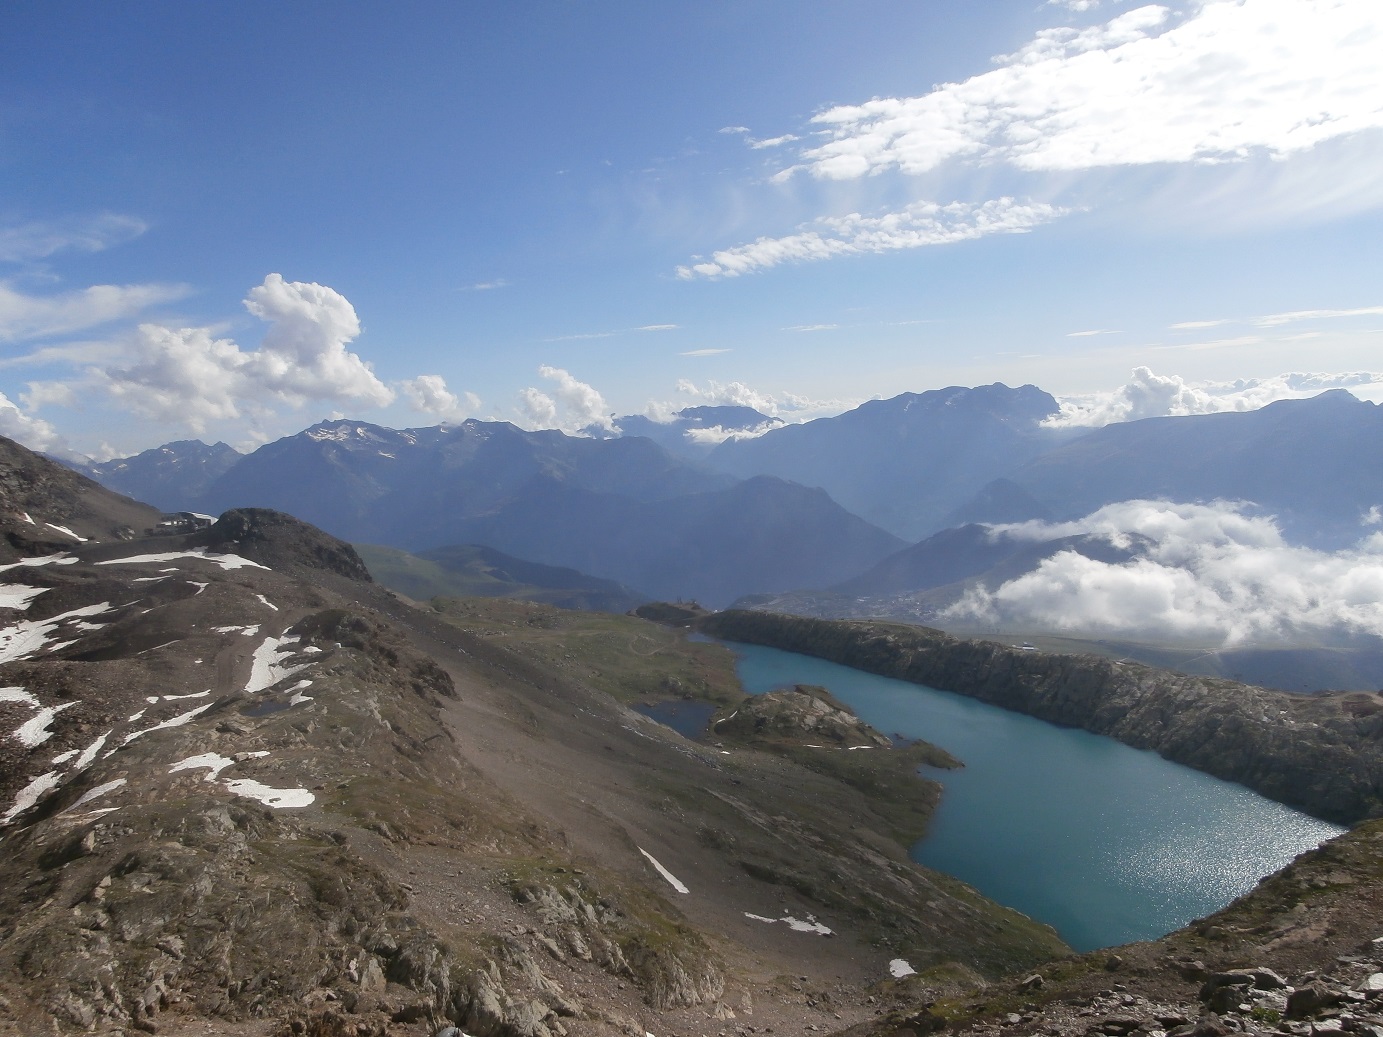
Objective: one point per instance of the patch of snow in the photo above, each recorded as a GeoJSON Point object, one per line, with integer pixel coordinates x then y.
{"type": "Point", "coordinates": [18, 695]}
{"type": "Point", "coordinates": [177, 721]}
{"type": "Point", "coordinates": [28, 637]}
{"type": "Point", "coordinates": [148, 579]}
{"type": "Point", "coordinates": [89, 753]}
{"type": "Point", "coordinates": [18, 595]}
{"type": "Point", "coordinates": [276, 798]}
{"type": "Point", "coordinates": [266, 601]}
{"type": "Point", "coordinates": [200, 586]}
{"type": "Point", "coordinates": [898, 968]}
{"type": "Point", "coordinates": [247, 631]}
{"type": "Point", "coordinates": [34, 731]}
{"type": "Point", "coordinates": [137, 716]}
{"type": "Point", "coordinates": [64, 529]}
{"type": "Point", "coordinates": [311, 650]}
{"type": "Point", "coordinates": [25, 516]}
{"type": "Point", "coordinates": [672, 879]}
{"type": "Point", "coordinates": [96, 793]}
{"type": "Point", "coordinates": [157, 647]}
{"type": "Point", "coordinates": [267, 667]}
{"type": "Point", "coordinates": [853, 747]}
{"type": "Point", "coordinates": [213, 762]}
{"type": "Point", "coordinates": [29, 795]}
{"type": "Point", "coordinates": [226, 561]}
{"type": "Point", "coordinates": [58, 559]}
{"type": "Point", "coordinates": [811, 925]}
{"type": "Point", "coordinates": [64, 757]}
{"type": "Point", "coordinates": [177, 698]}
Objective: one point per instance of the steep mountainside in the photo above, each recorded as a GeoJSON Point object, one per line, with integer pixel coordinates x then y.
{"type": "Point", "coordinates": [1317, 464]}
{"type": "Point", "coordinates": [244, 790]}
{"type": "Point", "coordinates": [171, 477]}
{"type": "Point", "coordinates": [469, 570]}
{"type": "Point", "coordinates": [762, 534]}
{"type": "Point", "coordinates": [620, 509]}
{"type": "Point", "coordinates": [906, 463]}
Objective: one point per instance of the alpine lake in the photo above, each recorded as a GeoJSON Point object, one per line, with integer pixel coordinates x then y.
{"type": "Point", "coordinates": [1105, 843]}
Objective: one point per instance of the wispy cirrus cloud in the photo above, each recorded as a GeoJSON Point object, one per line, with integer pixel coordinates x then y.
{"type": "Point", "coordinates": [1228, 79]}
{"type": "Point", "coordinates": [25, 316]}
{"type": "Point", "coordinates": [1276, 320]}
{"type": "Point", "coordinates": [706, 352]}
{"type": "Point", "coordinates": [919, 225]}
{"type": "Point", "coordinates": [39, 239]}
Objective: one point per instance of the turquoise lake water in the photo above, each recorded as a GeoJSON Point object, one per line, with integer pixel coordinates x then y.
{"type": "Point", "coordinates": [1107, 844]}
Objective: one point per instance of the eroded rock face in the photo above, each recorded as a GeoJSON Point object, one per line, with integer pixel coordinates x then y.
{"type": "Point", "coordinates": [1321, 753]}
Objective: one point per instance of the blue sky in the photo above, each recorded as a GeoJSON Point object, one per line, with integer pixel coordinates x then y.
{"type": "Point", "coordinates": [230, 221]}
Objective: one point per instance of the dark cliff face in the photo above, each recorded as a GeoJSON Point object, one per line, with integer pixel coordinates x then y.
{"type": "Point", "coordinates": [1322, 754]}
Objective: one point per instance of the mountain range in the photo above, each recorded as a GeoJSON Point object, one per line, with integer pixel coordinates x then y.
{"type": "Point", "coordinates": [873, 512]}
{"type": "Point", "coordinates": [246, 790]}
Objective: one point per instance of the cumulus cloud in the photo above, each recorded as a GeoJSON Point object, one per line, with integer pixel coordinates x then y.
{"type": "Point", "coordinates": [32, 432]}
{"type": "Point", "coordinates": [574, 406]}
{"type": "Point", "coordinates": [1202, 573]}
{"type": "Point", "coordinates": [920, 224]}
{"type": "Point", "coordinates": [428, 393]}
{"type": "Point", "coordinates": [41, 239]}
{"type": "Point", "coordinates": [24, 316]}
{"type": "Point", "coordinates": [186, 375]}
{"type": "Point", "coordinates": [1149, 395]}
{"type": "Point", "coordinates": [1228, 79]}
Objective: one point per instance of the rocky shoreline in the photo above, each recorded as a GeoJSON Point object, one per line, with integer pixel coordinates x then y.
{"type": "Point", "coordinates": [1322, 754]}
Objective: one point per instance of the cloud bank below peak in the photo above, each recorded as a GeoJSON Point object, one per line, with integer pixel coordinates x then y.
{"type": "Point", "coordinates": [1150, 395]}
{"type": "Point", "coordinates": [1205, 574]}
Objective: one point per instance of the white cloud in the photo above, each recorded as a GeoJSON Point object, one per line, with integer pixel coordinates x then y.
{"type": "Point", "coordinates": [1092, 334]}
{"type": "Point", "coordinates": [577, 406]}
{"type": "Point", "coordinates": [41, 239]}
{"type": "Point", "coordinates": [716, 434]}
{"type": "Point", "coordinates": [486, 286]}
{"type": "Point", "coordinates": [772, 142]}
{"type": "Point", "coordinates": [1074, 5]}
{"type": "Point", "coordinates": [774, 405]}
{"type": "Point", "coordinates": [918, 225]}
{"type": "Point", "coordinates": [813, 327]}
{"type": "Point", "coordinates": [428, 393]}
{"type": "Point", "coordinates": [538, 408]}
{"type": "Point", "coordinates": [1275, 320]}
{"type": "Point", "coordinates": [185, 375]}
{"type": "Point", "coordinates": [1203, 574]}
{"type": "Point", "coordinates": [658, 327]}
{"type": "Point", "coordinates": [1196, 325]}
{"type": "Point", "coordinates": [1229, 79]}
{"type": "Point", "coordinates": [32, 432]}
{"type": "Point", "coordinates": [1149, 395]}
{"type": "Point", "coordinates": [25, 316]}
{"type": "Point", "coordinates": [303, 355]}
{"type": "Point", "coordinates": [705, 352]}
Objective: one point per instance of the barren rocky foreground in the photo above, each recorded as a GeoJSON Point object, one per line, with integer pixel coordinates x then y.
{"type": "Point", "coordinates": [244, 790]}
